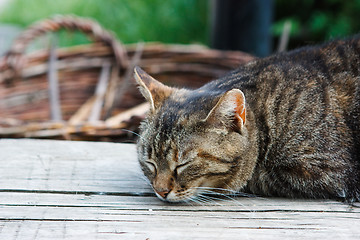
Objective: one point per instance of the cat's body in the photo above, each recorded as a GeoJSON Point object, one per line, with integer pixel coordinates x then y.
{"type": "Point", "coordinates": [287, 125]}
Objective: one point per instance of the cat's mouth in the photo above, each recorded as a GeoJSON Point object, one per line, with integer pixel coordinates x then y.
{"type": "Point", "coordinates": [175, 196]}
{"type": "Point", "coordinates": [192, 194]}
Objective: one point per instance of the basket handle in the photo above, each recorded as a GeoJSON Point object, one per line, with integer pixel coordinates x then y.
{"type": "Point", "coordinates": [15, 57]}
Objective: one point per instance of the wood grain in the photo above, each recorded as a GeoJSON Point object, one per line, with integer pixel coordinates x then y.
{"type": "Point", "coordinates": [88, 190]}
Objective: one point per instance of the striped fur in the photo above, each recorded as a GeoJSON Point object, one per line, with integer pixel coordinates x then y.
{"type": "Point", "coordinates": [300, 136]}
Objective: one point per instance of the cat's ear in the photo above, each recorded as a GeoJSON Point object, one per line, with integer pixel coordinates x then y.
{"type": "Point", "coordinates": [230, 110]}
{"type": "Point", "coordinates": [154, 91]}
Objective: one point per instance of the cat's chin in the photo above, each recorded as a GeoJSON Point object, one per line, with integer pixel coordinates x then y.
{"type": "Point", "coordinates": [179, 199]}
{"type": "Point", "coordinates": [174, 197]}
{"type": "Point", "coordinates": [192, 194]}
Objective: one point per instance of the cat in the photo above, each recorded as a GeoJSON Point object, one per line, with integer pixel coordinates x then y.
{"type": "Point", "coordinates": [286, 126]}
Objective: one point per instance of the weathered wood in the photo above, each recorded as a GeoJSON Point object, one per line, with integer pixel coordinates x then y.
{"type": "Point", "coordinates": [139, 110]}
{"type": "Point", "coordinates": [83, 112]}
{"type": "Point", "coordinates": [87, 190]}
{"type": "Point", "coordinates": [100, 93]}
{"type": "Point", "coordinates": [53, 80]}
{"type": "Point", "coordinates": [118, 90]}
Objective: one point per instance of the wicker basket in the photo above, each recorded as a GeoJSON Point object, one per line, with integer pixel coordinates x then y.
{"type": "Point", "coordinates": [87, 92]}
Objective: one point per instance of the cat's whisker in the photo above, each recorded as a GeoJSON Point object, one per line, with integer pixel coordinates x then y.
{"type": "Point", "coordinates": [144, 178]}
{"type": "Point", "coordinates": [127, 130]}
{"type": "Point", "coordinates": [190, 202]}
{"type": "Point", "coordinates": [222, 202]}
{"type": "Point", "coordinates": [210, 199]}
{"type": "Point", "coordinates": [139, 175]}
{"type": "Point", "coordinates": [222, 197]}
{"type": "Point", "coordinates": [218, 195]}
{"type": "Point", "coordinates": [217, 199]}
{"type": "Point", "coordinates": [243, 194]}
{"type": "Point", "coordinates": [196, 200]}
{"type": "Point", "coordinates": [218, 202]}
{"type": "Point", "coordinates": [201, 200]}
{"type": "Point", "coordinates": [206, 201]}
{"type": "Point", "coordinates": [220, 189]}
{"type": "Point", "coordinates": [229, 192]}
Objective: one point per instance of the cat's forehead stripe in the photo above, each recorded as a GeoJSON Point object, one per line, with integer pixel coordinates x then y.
{"type": "Point", "coordinates": [175, 157]}
{"type": "Point", "coordinates": [211, 157]}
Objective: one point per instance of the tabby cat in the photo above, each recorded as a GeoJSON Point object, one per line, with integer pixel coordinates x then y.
{"type": "Point", "coordinates": [287, 126]}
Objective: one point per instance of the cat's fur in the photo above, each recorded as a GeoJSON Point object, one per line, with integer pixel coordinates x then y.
{"type": "Point", "coordinates": [287, 125]}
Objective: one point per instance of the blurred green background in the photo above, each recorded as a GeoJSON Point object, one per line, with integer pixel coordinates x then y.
{"type": "Point", "coordinates": [317, 20]}
{"type": "Point", "coordinates": [187, 21]}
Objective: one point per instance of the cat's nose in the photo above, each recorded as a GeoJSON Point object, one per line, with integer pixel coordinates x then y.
{"type": "Point", "coordinates": [163, 193]}
{"type": "Point", "coordinates": [163, 184]}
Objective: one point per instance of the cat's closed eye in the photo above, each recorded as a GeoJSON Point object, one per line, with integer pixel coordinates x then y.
{"type": "Point", "coordinates": [181, 167]}
{"type": "Point", "coordinates": [151, 166]}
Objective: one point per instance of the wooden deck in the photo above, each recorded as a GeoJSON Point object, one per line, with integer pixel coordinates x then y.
{"type": "Point", "coordinates": [86, 190]}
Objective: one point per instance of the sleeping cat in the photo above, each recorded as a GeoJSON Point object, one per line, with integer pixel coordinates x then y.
{"type": "Point", "coordinates": [287, 126]}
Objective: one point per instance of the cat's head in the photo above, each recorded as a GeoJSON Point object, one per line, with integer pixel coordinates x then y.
{"type": "Point", "coordinates": [193, 142]}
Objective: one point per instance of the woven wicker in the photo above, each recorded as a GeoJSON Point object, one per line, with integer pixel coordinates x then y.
{"type": "Point", "coordinates": [91, 86]}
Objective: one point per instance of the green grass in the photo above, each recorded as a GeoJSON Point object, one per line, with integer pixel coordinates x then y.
{"type": "Point", "coordinates": [172, 21]}
{"type": "Point", "coordinates": [186, 21]}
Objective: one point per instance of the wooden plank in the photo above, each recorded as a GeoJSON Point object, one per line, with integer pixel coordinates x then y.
{"type": "Point", "coordinates": [140, 202]}
{"type": "Point", "coordinates": [70, 167]}
{"type": "Point", "coordinates": [87, 190]}
{"type": "Point", "coordinates": [261, 224]}
{"type": "Point", "coordinates": [116, 230]}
